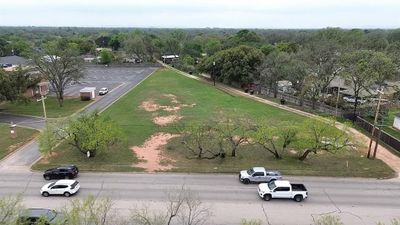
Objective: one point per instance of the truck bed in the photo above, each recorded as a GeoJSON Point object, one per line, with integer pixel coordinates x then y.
{"type": "Point", "coordinates": [298, 187]}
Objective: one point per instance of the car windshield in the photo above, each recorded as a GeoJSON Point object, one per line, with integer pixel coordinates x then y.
{"type": "Point", "coordinates": [74, 184]}
{"type": "Point", "coordinates": [250, 171]}
{"type": "Point", "coordinates": [103, 89]}
{"type": "Point", "coordinates": [271, 185]}
{"type": "Point", "coordinates": [52, 184]}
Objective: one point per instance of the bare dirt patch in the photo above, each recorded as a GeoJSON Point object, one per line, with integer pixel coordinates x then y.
{"type": "Point", "coordinates": [165, 120]}
{"type": "Point", "coordinates": [150, 106]}
{"type": "Point", "coordinates": [150, 153]}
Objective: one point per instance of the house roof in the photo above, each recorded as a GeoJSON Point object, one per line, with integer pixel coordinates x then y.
{"type": "Point", "coordinates": [170, 56]}
{"type": "Point", "coordinates": [88, 89]}
{"type": "Point", "coordinates": [14, 60]}
{"type": "Point", "coordinates": [363, 93]}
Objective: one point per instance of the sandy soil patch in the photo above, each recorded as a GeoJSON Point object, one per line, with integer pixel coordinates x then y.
{"type": "Point", "coordinates": [150, 153]}
{"type": "Point", "coordinates": [172, 97]}
{"type": "Point", "coordinates": [150, 106]}
{"type": "Point", "coordinates": [165, 120]}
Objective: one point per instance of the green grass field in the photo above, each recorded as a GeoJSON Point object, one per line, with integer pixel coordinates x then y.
{"type": "Point", "coordinates": [8, 144]}
{"type": "Point", "coordinates": [388, 124]}
{"type": "Point", "coordinates": [210, 103]}
{"type": "Point", "coordinates": [53, 110]}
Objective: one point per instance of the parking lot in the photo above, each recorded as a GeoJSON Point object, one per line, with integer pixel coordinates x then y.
{"type": "Point", "coordinates": [109, 77]}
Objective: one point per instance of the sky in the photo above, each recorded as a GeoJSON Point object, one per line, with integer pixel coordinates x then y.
{"type": "Point", "coordinates": [284, 14]}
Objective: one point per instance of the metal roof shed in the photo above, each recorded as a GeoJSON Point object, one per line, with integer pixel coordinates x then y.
{"type": "Point", "coordinates": [88, 93]}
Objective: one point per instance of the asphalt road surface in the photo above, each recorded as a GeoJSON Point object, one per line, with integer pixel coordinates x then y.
{"type": "Point", "coordinates": [23, 121]}
{"type": "Point", "coordinates": [129, 77]}
{"type": "Point", "coordinates": [355, 200]}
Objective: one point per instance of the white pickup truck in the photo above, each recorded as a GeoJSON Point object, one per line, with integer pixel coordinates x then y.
{"type": "Point", "coordinates": [258, 175]}
{"type": "Point", "coordinates": [282, 189]}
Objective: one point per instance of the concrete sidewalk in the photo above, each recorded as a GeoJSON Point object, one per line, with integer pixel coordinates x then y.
{"type": "Point", "coordinates": [383, 154]}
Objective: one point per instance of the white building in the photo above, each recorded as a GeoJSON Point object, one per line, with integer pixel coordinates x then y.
{"type": "Point", "coordinates": [396, 122]}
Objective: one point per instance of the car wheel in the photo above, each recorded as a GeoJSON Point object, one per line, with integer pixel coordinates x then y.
{"type": "Point", "coordinates": [267, 197]}
{"type": "Point", "coordinates": [47, 177]}
{"type": "Point", "coordinates": [67, 194]}
{"type": "Point", "coordinates": [246, 181]}
{"type": "Point", "coordinates": [45, 194]}
{"type": "Point", "coordinates": [298, 198]}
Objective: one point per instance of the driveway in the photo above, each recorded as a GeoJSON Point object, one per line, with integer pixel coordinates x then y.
{"type": "Point", "coordinates": [355, 200]}
{"type": "Point", "coordinates": [127, 77]}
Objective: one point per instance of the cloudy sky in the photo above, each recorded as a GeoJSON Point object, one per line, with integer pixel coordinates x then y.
{"type": "Point", "coordinates": [202, 13]}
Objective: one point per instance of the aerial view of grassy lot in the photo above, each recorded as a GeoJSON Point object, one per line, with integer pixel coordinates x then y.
{"type": "Point", "coordinates": [188, 101]}
{"type": "Point", "coordinates": [53, 110]}
{"type": "Point", "coordinates": [8, 144]}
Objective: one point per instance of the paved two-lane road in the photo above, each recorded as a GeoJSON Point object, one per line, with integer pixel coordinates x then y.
{"type": "Point", "coordinates": [357, 201]}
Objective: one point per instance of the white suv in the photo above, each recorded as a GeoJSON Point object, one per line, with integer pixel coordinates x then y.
{"type": "Point", "coordinates": [103, 91]}
{"type": "Point", "coordinates": [61, 187]}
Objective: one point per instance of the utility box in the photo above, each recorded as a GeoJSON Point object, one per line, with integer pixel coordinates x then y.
{"type": "Point", "coordinates": [88, 93]}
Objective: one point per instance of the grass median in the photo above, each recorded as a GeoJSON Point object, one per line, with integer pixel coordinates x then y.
{"type": "Point", "coordinates": [35, 108]}
{"type": "Point", "coordinates": [8, 144]}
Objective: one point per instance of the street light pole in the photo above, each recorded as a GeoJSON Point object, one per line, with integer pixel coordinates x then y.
{"type": "Point", "coordinates": [375, 122]}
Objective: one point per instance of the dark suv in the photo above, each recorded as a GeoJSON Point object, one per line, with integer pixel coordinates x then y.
{"type": "Point", "coordinates": [35, 216]}
{"type": "Point", "coordinates": [62, 172]}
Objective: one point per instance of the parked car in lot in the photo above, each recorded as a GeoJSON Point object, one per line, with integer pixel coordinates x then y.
{"type": "Point", "coordinates": [353, 100]}
{"type": "Point", "coordinates": [34, 216]}
{"type": "Point", "coordinates": [60, 187]}
{"type": "Point", "coordinates": [61, 172]}
{"type": "Point", "coordinates": [258, 175]}
{"type": "Point", "coordinates": [282, 189]}
{"type": "Point", "coordinates": [103, 91]}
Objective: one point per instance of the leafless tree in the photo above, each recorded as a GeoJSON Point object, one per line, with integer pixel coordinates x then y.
{"type": "Point", "coordinates": [182, 207]}
{"type": "Point", "coordinates": [90, 211]}
{"type": "Point", "coordinates": [10, 208]}
{"type": "Point", "coordinates": [200, 140]}
{"type": "Point", "coordinates": [235, 132]}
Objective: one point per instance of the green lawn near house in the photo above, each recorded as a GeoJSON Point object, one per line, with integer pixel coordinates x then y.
{"type": "Point", "coordinates": [388, 123]}
{"type": "Point", "coordinates": [35, 108]}
{"type": "Point", "coordinates": [8, 144]}
{"type": "Point", "coordinates": [199, 103]}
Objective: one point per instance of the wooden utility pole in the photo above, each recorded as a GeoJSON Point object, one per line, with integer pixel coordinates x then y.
{"type": "Point", "coordinates": [44, 106]}
{"type": "Point", "coordinates": [375, 122]}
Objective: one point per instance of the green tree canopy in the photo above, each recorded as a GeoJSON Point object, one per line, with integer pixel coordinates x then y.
{"type": "Point", "coordinates": [14, 84]}
{"type": "Point", "coordinates": [105, 57]}
{"type": "Point", "coordinates": [92, 132]}
{"type": "Point", "coordinates": [235, 65]}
